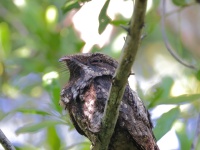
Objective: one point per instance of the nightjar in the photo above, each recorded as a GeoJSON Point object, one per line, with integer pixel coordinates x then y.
{"type": "Point", "coordinates": [85, 96]}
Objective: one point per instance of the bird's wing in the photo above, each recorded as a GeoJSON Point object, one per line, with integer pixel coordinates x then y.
{"type": "Point", "coordinates": [134, 117]}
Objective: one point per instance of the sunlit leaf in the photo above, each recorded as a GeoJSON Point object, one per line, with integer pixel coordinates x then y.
{"type": "Point", "coordinates": [118, 22]}
{"type": "Point", "coordinates": [5, 43]}
{"type": "Point", "coordinates": [104, 19]}
{"type": "Point", "coordinates": [165, 122]}
{"type": "Point", "coordinates": [38, 126]}
{"type": "Point", "coordinates": [182, 99]}
{"type": "Point", "coordinates": [180, 2]}
{"type": "Point", "coordinates": [69, 5]}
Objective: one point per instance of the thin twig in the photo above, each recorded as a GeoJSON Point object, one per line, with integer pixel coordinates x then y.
{"type": "Point", "coordinates": [123, 71]}
{"type": "Point", "coordinates": [166, 41]}
{"type": "Point", "coordinates": [197, 135]}
{"type": "Point", "coordinates": [5, 142]}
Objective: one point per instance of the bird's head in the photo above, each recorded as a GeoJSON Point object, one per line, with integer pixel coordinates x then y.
{"type": "Point", "coordinates": [83, 69]}
{"type": "Point", "coordinates": [89, 64]}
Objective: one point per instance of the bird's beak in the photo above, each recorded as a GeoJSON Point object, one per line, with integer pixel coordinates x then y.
{"type": "Point", "coordinates": [63, 59]}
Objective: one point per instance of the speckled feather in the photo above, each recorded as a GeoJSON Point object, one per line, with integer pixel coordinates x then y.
{"type": "Point", "coordinates": [85, 96]}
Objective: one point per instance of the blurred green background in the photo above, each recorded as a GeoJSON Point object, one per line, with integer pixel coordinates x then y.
{"type": "Point", "coordinates": [34, 34]}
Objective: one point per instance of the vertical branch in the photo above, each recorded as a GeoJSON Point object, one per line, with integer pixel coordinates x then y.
{"type": "Point", "coordinates": [5, 142]}
{"type": "Point", "coordinates": [123, 71]}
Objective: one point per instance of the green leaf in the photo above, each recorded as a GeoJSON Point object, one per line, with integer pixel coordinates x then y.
{"type": "Point", "coordinates": [118, 22]}
{"type": "Point", "coordinates": [5, 43]}
{"type": "Point", "coordinates": [86, 145]}
{"type": "Point", "coordinates": [104, 20]}
{"type": "Point", "coordinates": [160, 91]}
{"type": "Point", "coordinates": [152, 20]}
{"type": "Point", "coordinates": [53, 139]}
{"type": "Point", "coordinates": [26, 147]}
{"type": "Point", "coordinates": [69, 5]}
{"type": "Point", "coordinates": [31, 111]}
{"type": "Point", "coordinates": [180, 2]}
{"type": "Point", "coordinates": [56, 95]}
{"type": "Point", "coordinates": [165, 122]}
{"type": "Point", "coordinates": [25, 111]}
{"type": "Point", "coordinates": [54, 91]}
{"type": "Point", "coordinates": [198, 75]}
{"type": "Point", "coordinates": [155, 95]}
{"type": "Point", "coordinates": [38, 126]}
{"type": "Point", "coordinates": [185, 142]}
{"type": "Point", "coordinates": [182, 99]}
{"type": "Point", "coordinates": [80, 145]}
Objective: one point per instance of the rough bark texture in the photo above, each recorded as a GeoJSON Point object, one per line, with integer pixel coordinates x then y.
{"type": "Point", "coordinates": [5, 142]}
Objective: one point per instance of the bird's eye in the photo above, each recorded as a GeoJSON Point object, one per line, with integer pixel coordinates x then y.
{"type": "Point", "coordinates": [96, 61]}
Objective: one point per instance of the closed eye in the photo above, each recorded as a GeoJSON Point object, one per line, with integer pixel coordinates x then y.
{"type": "Point", "coordinates": [96, 61]}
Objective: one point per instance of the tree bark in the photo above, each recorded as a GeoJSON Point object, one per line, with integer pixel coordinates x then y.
{"type": "Point", "coordinates": [5, 142]}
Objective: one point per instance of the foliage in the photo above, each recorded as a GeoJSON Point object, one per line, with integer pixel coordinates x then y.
{"type": "Point", "coordinates": [35, 34]}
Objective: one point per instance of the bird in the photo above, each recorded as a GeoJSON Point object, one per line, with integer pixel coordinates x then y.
{"type": "Point", "coordinates": [85, 95]}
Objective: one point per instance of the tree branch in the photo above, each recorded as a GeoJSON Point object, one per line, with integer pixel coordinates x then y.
{"type": "Point", "coordinates": [123, 71]}
{"type": "Point", "coordinates": [166, 41]}
{"type": "Point", "coordinates": [5, 142]}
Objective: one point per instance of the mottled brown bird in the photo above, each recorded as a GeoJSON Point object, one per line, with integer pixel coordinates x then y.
{"type": "Point", "coordinates": [85, 96]}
